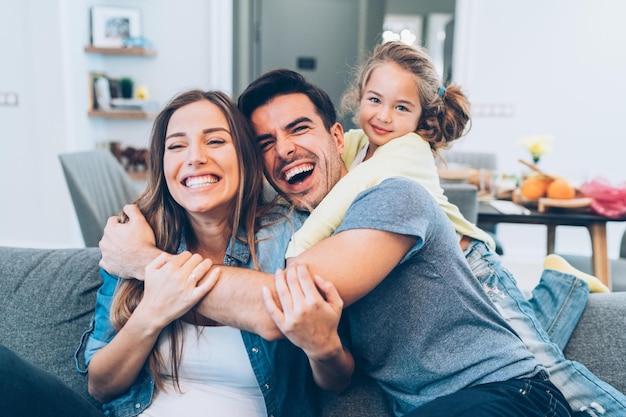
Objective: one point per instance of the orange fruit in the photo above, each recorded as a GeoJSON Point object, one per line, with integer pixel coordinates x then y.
{"type": "Point", "coordinates": [560, 189]}
{"type": "Point", "coordinates": [534, 187]}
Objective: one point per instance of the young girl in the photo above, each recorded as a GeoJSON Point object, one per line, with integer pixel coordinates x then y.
{"type": "Point", "coordinates": [406, 116]}
{"type": "Point", "coordinates": [404, 123]}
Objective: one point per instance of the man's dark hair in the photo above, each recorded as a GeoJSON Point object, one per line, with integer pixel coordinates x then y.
{"type": "Point", "coordinates": [280, 82]}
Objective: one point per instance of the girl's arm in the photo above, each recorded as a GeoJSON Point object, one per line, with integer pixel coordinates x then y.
{"type": "Point", "coordinates": [406, 156]}
{"type": "Point", "coordinates": [173, 285]}
{"type": "Point", "coordinates": [309, 313]}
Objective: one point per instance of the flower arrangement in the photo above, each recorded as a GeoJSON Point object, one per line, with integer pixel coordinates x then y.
{"type": "Point", "coordinates": [537, 145]}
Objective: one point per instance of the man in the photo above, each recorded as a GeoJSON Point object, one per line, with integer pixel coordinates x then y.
{"type": "Point", "coordinates": [420, 324]}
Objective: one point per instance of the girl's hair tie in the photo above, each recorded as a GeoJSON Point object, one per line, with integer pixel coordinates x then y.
{"type": "Point", "coordinates": [441, 91]}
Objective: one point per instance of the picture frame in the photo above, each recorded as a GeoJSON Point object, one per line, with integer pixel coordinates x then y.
{"type": "Point", "coordinates": [110, 26]}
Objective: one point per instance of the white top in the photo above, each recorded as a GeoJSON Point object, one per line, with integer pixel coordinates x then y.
{"type": "Point", "coordinates": [215, 376]}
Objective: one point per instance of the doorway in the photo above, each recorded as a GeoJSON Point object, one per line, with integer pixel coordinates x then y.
{"type": "Point", "coordinates": [324, 39]}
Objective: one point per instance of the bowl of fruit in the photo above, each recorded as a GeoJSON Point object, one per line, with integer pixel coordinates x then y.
{"type": "Point", "coordinates": [545, 191]}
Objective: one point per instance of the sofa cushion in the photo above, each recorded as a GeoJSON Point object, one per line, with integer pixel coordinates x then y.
{"type": "Point", "coordinates": [362, 394]}
{"type": "Point", "coordinates": [601, 334]}
{"type": "Point", "coordinates": [47, 299]}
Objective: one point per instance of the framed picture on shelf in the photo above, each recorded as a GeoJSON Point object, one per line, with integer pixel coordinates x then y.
{"type": "Point", "coordinates": [111, 25]}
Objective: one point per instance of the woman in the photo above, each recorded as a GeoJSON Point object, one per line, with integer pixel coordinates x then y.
{"type": "Point", "coordinates": [149, 352]}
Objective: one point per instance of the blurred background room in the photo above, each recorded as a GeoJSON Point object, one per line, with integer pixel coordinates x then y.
{"type": "Point", "coordinates": [529, 67]}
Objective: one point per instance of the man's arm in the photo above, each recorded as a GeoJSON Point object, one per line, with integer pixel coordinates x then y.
{"type": "Point", "coordinates": [355, 261]}
{"type": "Point", "coordinates": [127, 248]}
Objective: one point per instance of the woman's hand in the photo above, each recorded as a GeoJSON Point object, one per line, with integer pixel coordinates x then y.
{"type": "Point", "coordinates": [174, 284]}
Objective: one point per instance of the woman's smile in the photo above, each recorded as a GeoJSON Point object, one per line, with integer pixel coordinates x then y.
{"type": "Point", "coordinates": [200, 181]}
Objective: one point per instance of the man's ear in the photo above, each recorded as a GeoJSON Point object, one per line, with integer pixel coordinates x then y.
{"type": "Point", "coordinates": [336, 131]}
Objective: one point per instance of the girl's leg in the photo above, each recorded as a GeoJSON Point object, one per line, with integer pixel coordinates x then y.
{"type": "Point", "coordinates": [558, 301]}
{"type": "Point", "coordinates": [556, 262]}
{"type": "Point", "coordinates": [583, 390]}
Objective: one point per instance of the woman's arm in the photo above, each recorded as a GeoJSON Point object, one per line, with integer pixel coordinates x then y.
{"type": "Point", "coordinates": [173, 286]}
{"type": "Point", "coordinates": [308, 315]}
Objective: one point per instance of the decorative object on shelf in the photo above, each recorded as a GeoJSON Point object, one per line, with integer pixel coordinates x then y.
{"type": "Point", "coordinates": [142, 93]}
{"type": "Point", "coordinates": [537, 145]}
{"type": "Point", "coordinates": [134, 160]}
{"type": "Point", "coordinates": [126, 87]}
{"type": "Point", "coordinates": [137, 42]}
{"type": "Point", "coordinates": [133, 104]}
{"type": "Point", "coordinates": [102, 92]}
{"type": "Point", "coordinates": [110, 26]}
{"type": "Point", "coordinates": [107, 99]}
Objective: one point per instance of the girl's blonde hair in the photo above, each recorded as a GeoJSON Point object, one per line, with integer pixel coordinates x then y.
{"type": "Point", "coordinates": [445, 110]}
{"type": "Point", "coordinates": [169, 220]}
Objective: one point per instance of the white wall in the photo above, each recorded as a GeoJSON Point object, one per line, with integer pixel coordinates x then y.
{"type": "Point", "coordinates": [561, 66]}
{"type": "Point", "coordinates": [41, 51]}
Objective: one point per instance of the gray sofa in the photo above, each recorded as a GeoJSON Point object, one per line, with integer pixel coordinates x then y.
{"type": "Point", "coordinates": [47, 298]}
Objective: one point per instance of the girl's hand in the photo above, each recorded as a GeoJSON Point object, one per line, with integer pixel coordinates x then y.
{"type": "Point", "coordinates": [310, 312]}
{"type": "Point", "coordinates": [174, 284]}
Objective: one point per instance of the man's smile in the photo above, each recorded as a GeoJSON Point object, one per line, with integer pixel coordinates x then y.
{"type": "Point", "coordinates": [299, 173]}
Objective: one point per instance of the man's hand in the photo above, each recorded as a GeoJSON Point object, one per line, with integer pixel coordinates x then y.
{"type": "Point", "coordinates": [128, 247]}
{"type": "Point", "coordinates": [308, 315]}
{"type": "Point", "coordinates": [309, 310]}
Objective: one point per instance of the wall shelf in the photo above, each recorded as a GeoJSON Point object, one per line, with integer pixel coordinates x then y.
{"type": "Point", "coordinates": [121, 114]}
{"type": "Point", "coordinates": [120, 51]}
{"type": "Point", "coordinates": [94, 111]}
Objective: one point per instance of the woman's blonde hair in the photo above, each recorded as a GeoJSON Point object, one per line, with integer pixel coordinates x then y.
{"type": "Point", "coordinates": [169, 220]}
{"type": "Point", "coordinates": [445, 110]}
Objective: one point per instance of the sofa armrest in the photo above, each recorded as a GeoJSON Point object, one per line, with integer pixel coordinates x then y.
{"type": "Point", "coordinates": [47, 299]}
{"type": "Point", "coordinates": [599, 340]}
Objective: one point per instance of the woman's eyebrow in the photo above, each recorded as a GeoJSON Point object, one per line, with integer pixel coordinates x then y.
{"type": "Point", "coordinates": [174, 135]}
{"type": "Point", "coordinates": [205, 131]}
{"type": "Point", "coordinates": [216, 129]}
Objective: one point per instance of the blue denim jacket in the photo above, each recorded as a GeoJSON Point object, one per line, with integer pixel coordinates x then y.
{"type": "Point", "coordinates": [282, 369]}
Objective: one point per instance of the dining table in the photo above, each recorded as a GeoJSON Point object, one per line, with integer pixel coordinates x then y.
{"type": "Point", "coordinates": [494, 212]}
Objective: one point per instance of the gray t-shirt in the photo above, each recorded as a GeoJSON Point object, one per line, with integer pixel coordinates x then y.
{"type": "Point", "coordinates": [428, 329]}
